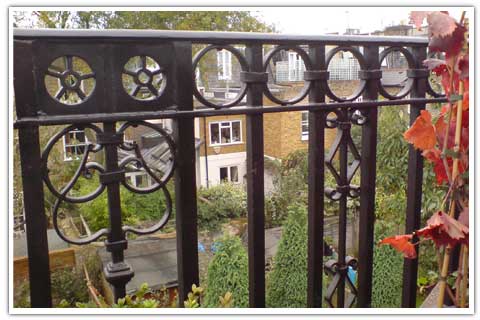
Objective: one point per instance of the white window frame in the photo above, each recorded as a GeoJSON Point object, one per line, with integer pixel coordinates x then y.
{"type": "Point", "coordinates": [132, 177]}
{"type": "Point", "coordinates": [220, 132]}
{"type": "Point", "coordinates": [65, 145]}
{"type": "Point", "coordinates": [229, 173]}
{"type": "Point", "coordinates": [224, 62]}
{"type": "Point", "coordinates": [304, 134]}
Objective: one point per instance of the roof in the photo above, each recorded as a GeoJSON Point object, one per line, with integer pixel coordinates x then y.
{"type": "Point", "coordinates": [154, 261]}
{"type": "Point", "coordinates": [157, 156]}
{"type": "Point", "coordinates": [54, 243]}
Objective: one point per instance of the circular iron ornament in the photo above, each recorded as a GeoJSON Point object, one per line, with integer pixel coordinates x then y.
{"type": "Point", "coordinates": [152, 82]}
{"type": "Point", "coordinates": [160, 224]}
{"type": "Point", "coordinates": [361, 61]}
{"type": "Point", "coordinates": [411, 65]}
{"type": "Point", "coordinates": [139, 160]}
{"type": "Point", "coordinates": [430, 90]}
{"type": "Point", "coordinates": [308, 67]}
{"type": "Point", "coordinates": [243, 65]}
{"type": "Point", "coordinates": [84, 167]}
{"type": "Point", "coordinates": [70, 79]}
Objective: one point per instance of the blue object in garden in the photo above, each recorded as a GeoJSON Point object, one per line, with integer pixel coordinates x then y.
{"type": "Point", "coordinates": [352, 274]}
{"type": "Point", "coordinates": [201, 247]}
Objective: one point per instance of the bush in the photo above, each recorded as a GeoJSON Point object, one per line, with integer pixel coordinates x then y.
{"type": "Point", "coordinates": [287, 282]}
{"type": "Point", "coordinates": [68, 288]}
{"type": "Point", "coordinates": [219, 203]}
{"type": "Point", "coordinates": [135, 207]}
{"type": "Point", "coordinates": [228, 272]}
{"type": "Point", "coordinates": [387, 272]}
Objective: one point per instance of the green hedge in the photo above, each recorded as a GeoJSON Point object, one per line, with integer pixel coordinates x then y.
{"type": "Point", "coordinates": [287, 282]}
{"type": "Point", "coordinates": [387, 272]}
{"type": "Point", "coordinates": [228, 272]}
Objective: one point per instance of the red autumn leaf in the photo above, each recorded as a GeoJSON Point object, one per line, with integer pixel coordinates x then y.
{"type": "Point", "coordinates": [440, 173]}
{"type": "Point", "coordinates": [440, 24]}
{"type": "Point", "coordinates": [432, 155]}
{"type": "Point", "coordinates": [461, 67]}
{"type": "Point", "coordinates": [422, 133]}
{"type": "Point", "coordinates": [450, 44]}
{"type": "Point", "coordinates": [402, 244]}
{"type": "Point", "coordinates": [417, 17]}
{"type": "Point", "coordinates": [444, 230]}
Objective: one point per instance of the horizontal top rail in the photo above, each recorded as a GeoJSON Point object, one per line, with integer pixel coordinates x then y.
{"type": "Point", "coordinates": [216, 37]}
{"type": "Point", "coordinates": [207, 112]}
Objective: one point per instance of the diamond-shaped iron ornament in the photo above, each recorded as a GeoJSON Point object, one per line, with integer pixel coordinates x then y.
{"type": "Point", "coordinates": [343, 137]}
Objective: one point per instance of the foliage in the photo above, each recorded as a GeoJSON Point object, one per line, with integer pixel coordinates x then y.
{"type": "Point", "coordinates": [287, 282]}
{"type": "Point", "coordinates": [160, 20]}
{"type": "Point", "coordinates": [68, 288]}
{"type": "Point", "coordinates": [219, 203]}
{"type": "Point", "coordinates": [197, 293]}
{"type": "Point", "coordinates": [136, 208]}
{"type": "Point", "coordinates": [228, 272]}
{"type": "Point", "coordinates": [387, 272]}
{"type": "Point", "coordinates": [444, 142]}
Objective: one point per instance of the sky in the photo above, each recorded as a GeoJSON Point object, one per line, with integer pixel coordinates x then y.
{"type": "Point", "coordinates": [318, 20]}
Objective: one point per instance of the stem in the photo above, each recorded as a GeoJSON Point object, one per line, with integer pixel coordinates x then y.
{"type": "Point", "coordinates": [463, 285]}
{"type": "Point", "coordinates": [446, 258]}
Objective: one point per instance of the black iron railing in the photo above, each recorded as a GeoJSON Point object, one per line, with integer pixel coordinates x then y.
{"type": "Point", "coordinates": [108, 102]}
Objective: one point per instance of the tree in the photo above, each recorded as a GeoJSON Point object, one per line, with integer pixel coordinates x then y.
{"type": "Point", "coordinates": [158, 20]}
{"type": "Point", "coordinates": [287, 282]}
{"type": "Point", "coordinates": [227, 272]}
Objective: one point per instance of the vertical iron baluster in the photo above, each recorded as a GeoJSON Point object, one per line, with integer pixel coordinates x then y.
{"type": "Point", "coordinates": [367, 182]}
{"type": "Point", "coordinates": [255, 184]}
{"type": "Point", "coordinates": [117, 272]}
{"type": "Point", "coordinates": [34, 208]}
{"type": "Point", "coordinates": [414, 185]}
{"type": "Point", "coordinates": [316, 176]}
{"type": "Point", "coordinates": [185, 176]}
{"type": "Point", "coordinates": [342, 213]}
{"type": "Point", "coordinates": [35, 218]}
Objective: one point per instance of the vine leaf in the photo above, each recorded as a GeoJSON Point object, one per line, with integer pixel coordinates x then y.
{"type": "Point", "coordinates": [417, 17]}
{"type": "Point", "coordinates": [440, 24]}
{"type": "Point", "coordinates": [444, 230]}
{"type": "Point", "coordinates": [450, 44]}
{"type": "Point", "coordinates": [402, 244]}
{"type": "Point", "coordinates": [422, 133]}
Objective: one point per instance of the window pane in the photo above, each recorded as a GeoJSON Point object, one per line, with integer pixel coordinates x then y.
{"type": "Point", "coordinates": [80, 135]}
{"type": "Point", "coordinates": [223, 174]}
{"type": "Point", "coordinates": [304, 129]}
{"type": "Point", "coordinates": [80, 150]}
{"type": "Point", "coordinates": [236, 131]}
{"type": "Point", "coordinates": [214, 136]}
{"type": "Point", "coordinates": [234, 174]}
{"type": "Point", "coordinates": [226, 135]}
{"type": "Point", "coordinates": [304, 116]}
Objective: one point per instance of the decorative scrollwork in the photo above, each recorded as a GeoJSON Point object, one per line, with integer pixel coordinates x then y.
{"type": "Point", "coordinates": [87, 168]}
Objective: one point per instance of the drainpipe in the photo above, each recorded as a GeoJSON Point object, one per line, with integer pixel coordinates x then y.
{"type": "Point", "coordinates": [205, 147]}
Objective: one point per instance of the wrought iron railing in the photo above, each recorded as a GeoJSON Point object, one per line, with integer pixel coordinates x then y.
{"type": "Point", "coordinates": [108, 102]}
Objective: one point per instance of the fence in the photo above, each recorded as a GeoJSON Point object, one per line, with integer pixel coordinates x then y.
{"type": "Point", "coordinates": [110, 103]}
